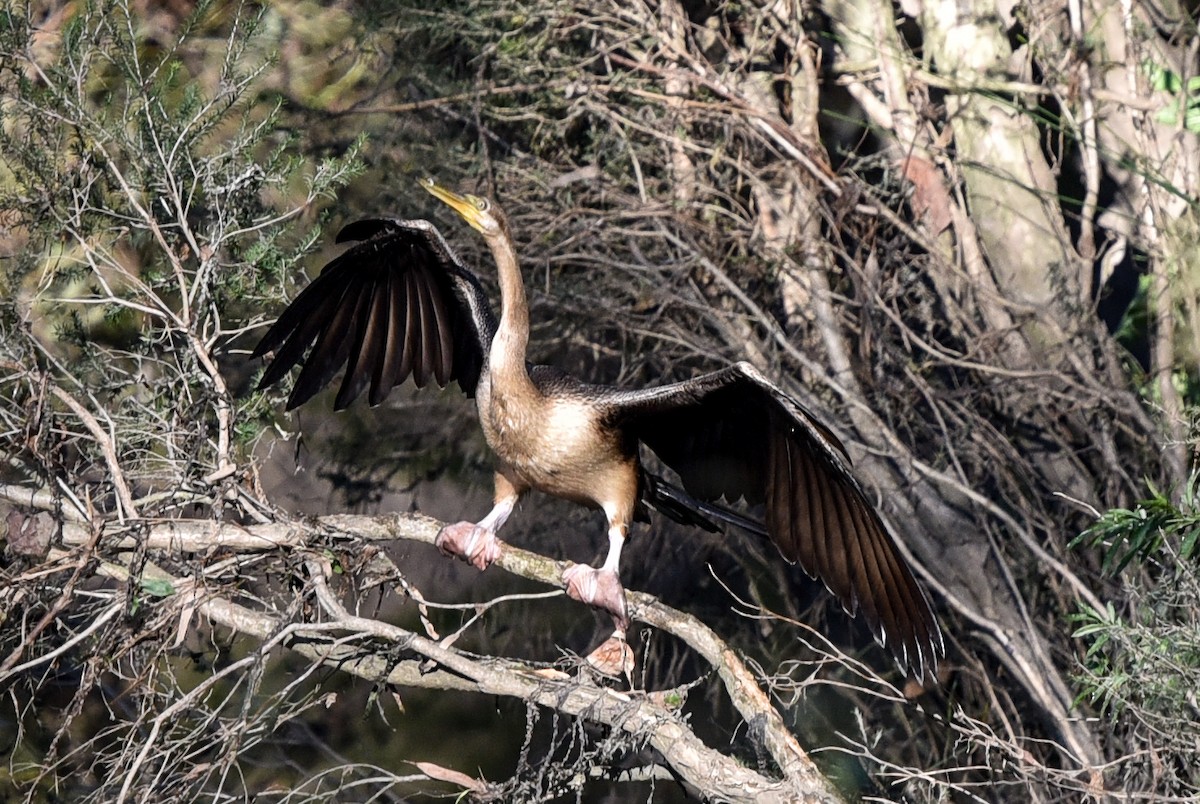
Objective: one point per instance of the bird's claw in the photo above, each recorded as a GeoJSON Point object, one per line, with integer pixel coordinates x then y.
{"type": "Point", "coordinates": [471, 542]}
{"type": "Point", "coordinates": [600, 588]}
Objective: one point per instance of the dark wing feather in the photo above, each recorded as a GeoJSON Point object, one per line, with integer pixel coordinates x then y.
{"type": "Point", "coordinates": [399, 302]}
{"type": "Point", "coordinates": [332, 346]}
{"type": "Point", "coordinates": [387, 368]}
{"type": "Point", "coordinates": [732, 434]}
{"type": "Point", "coordinates": [426, 344]}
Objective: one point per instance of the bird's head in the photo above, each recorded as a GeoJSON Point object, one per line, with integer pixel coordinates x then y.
{"type": "Point", "coordinates": [483, 216]}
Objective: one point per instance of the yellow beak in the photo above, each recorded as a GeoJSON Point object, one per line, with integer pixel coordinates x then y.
{"type": "Point", "coordinates": [464, 205]}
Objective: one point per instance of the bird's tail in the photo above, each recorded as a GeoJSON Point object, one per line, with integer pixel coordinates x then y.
{"type": "Point", "coordinates": [672, 501]}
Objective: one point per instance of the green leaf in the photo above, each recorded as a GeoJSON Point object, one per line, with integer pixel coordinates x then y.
{"type": "Point", "coordinates": [157, 587]}
{"type": "Point", "coordinates": [1192, 121]}
{"type": "Point", "coordinates": [1188, 548]}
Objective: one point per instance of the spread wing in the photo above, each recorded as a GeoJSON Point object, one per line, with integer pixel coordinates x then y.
{"type": "Point", "coordinates": [398, 303]}
{"type": "Point", "coordinates": [732, 434]}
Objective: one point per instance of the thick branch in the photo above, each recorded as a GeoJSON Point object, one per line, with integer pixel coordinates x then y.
{"type": "Point", "coordinates": [632, 712]}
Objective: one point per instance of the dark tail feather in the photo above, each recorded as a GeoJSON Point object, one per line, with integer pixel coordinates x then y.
{"type": "Point", "coordinates": [685, 509]}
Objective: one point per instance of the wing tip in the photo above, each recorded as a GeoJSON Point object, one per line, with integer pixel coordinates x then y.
{"type": "Point", "coordinates": [918, 647]}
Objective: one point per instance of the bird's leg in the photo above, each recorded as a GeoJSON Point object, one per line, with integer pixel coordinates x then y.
{"type": "Point", "coordinates": [602, 588]}
{"type": "Point", "coordinates": [476, 542]}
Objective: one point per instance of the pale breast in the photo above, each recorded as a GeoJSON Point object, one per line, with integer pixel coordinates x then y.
{"type": "Point", "coordinates": [554, 444]}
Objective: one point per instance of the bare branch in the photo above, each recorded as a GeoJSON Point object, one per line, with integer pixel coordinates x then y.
{"type": "Point", "coordinates": [633, 712]}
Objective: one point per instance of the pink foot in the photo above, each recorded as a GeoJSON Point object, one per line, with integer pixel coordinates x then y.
{"type": "Point", "coordinates": [600, 588]}
{"type": "Point", "coordinates": [470, 542]}
{"type": "Point", "coordinates": [614, 657]}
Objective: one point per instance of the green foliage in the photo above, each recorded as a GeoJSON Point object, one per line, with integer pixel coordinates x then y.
{"type": "Point", "coordinates": [1188, 96]}
{"type": "Point", "coordinates": [1142, 659]}
{"type": "Point", "coordinates": [156, 204]}
{"type": "Point", "coordinates": [1142, 532]}
{"type": "Point", "coordinates": [160, 212]}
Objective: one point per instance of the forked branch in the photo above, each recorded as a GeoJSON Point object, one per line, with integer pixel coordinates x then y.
{"type": "Point", "coordinates": [366, 647]}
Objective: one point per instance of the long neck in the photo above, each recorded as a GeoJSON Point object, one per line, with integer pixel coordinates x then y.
{"type": "Point", "coordinates": [512, 336]}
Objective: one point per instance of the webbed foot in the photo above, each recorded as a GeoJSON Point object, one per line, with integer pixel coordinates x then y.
{"type": "Point", "coordinates": [471, 542]}
{"type": "Point", "coordinates": [614, 657]}
{"type": "Point", "coordinates": [598, 587]}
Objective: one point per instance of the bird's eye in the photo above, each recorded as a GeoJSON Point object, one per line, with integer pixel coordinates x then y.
{"type": "Point", "coordinates": [483, 204]}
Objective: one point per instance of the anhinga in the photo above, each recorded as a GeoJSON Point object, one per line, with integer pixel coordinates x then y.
{"type": "Point", "coordinates": [402, 303]}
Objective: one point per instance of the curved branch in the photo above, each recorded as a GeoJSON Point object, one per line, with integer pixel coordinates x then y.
{"type": "Point", "coordinates": [634, 712]}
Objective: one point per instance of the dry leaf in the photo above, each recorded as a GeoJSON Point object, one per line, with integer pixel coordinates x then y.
{"type": "Point", "coordinates": [29, 534]}
{"type": "Point", "coordinates": [930, 199]}
{"type": "Point", "coordinates": [452, 776]}
{"type": "Point", "coordinates": [552, 674]}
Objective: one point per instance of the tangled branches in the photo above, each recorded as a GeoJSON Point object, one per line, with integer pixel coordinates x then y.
{"type": "Point", "coordinates": [693, 182]}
